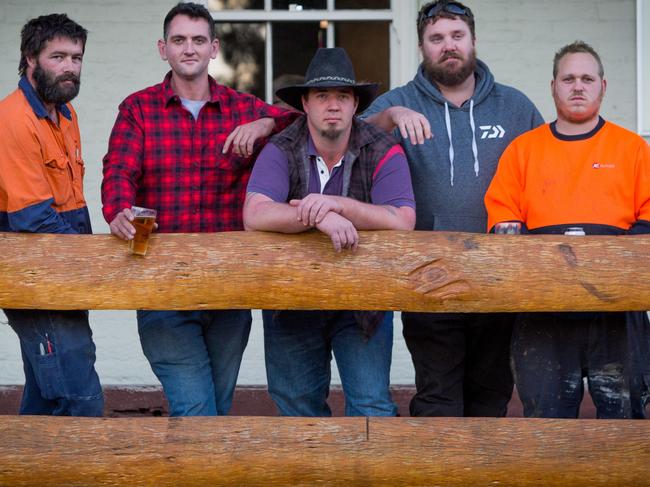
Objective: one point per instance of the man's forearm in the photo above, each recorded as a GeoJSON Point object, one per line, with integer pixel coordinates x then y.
{"type": "Point", "coordinates": [365, 216]}
{"type": "Point", "coordinates": [271, 216]}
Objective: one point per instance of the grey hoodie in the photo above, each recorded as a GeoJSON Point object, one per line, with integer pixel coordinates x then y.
{"type": "Point", "coordinates": [452, 171]}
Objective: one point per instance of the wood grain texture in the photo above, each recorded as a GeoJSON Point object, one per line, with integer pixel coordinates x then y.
{"type": "Point", "coordinates": [53, 451]}
{"type": "Point", "coordinates": [414, 271]}
{"type": "Point", "coordinates": [512, 452]}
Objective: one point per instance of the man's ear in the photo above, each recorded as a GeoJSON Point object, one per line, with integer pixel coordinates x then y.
{"type": "Point", "coordinates": [215, 48]}
{"type": "Point", "coordinates": [31, 61]}
{"type": "Point", "coordinates": [161, 49]}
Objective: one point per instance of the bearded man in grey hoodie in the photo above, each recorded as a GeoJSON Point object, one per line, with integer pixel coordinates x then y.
{"type": "Point", "coordinates": [461, 361]}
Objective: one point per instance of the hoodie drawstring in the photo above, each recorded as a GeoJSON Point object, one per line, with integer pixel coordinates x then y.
{"type": "Point", "coordinates": [474, 146]}
{"type": "Point", "coordinates": [451, 144]}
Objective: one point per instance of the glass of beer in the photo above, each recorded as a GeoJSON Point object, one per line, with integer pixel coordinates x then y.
{"type": "Point", "coordinates": [143, 221]}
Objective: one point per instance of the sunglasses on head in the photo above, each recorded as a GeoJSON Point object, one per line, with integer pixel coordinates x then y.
{"type": "Point", "coordinates": [450, 7]}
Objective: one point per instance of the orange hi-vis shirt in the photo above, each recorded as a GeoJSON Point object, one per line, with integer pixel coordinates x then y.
{"type": "Point", "coordinates": [41, 167]}
{"type": "Point", "coordinates": [545, 179]}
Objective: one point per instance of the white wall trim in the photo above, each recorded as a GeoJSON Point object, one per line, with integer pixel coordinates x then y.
{"type": "Point", "coordinates": [643, 66]}
{"type": "Point", "coordinates": [404, 58]}
{"type": "Point", "coordinates": [300, 15]}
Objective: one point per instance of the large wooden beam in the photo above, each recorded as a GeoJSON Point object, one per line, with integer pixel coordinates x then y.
{"type": "Point", "coordinates": [160, 452]}
{"type": "Point", "coordinates": [417, 271]}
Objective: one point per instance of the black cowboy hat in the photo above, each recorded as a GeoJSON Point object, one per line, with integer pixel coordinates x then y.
{"type": "Point", "coordinates": [330, 68]}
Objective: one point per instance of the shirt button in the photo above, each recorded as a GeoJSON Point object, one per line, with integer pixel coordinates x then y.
{"type": "Point", "coordinates": [322, 172]}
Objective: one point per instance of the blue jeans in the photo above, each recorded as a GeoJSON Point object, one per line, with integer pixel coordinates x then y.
{"type": "Point", "coordinates": [298, 349]}
{"type": "Point", "coordinates": [196, 356]}
{"type": "Point", "coordinates": [59, 363]}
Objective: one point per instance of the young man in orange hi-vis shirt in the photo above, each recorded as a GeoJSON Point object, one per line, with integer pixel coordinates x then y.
{"type": "Point", "coordinates": [579, 171]}
{"type": "Point", "coordinates": [41, 191]}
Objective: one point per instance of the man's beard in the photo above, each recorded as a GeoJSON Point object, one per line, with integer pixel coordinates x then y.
{"type": "Point", "coordinates": [50, 88]}
{"type": "Point", "coordinates": [450, 77]}
{"type": "Point", "coordinates": [331, 134]}
{"type": "Point", "coordinates": [589, 112]}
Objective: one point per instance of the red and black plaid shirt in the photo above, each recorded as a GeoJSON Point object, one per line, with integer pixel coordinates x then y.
{"type": "Point", "coordinates": [160, 157]}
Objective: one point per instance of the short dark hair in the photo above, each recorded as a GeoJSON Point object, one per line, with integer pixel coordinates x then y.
{"type": "Point", "coordinates": [573, 48]}
{"type": "Point", "coordinates": [424, 19]}
{"type": "Point", "coordinates": [40, 30]}
{"type": "Point", "coordinates": [193, 11]}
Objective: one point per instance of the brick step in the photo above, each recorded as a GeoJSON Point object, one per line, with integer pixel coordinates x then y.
{"type": "Point", "coordinates": [248, 401]}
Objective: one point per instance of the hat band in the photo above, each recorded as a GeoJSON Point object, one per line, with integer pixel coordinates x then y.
{"type": "Point", "coordinates": [330, 78]}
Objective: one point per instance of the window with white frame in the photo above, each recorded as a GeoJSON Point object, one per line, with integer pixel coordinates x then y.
{"type": "Point", "coordinates": [269, 43]}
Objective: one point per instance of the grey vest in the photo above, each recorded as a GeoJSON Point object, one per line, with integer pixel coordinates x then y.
{"type": "Point", "coordinates": [367, 146]}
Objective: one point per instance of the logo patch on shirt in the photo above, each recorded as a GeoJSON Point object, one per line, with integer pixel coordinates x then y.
{"type": "Point", "coordinates": [602, 165]}
{"type": "Point", "coordinates": [492, 132]}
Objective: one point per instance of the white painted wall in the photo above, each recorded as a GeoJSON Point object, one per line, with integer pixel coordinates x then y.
{"type": "Point", "coordinates": [120, 359]}
{"type": "Point", "coordinates": [517, 38]}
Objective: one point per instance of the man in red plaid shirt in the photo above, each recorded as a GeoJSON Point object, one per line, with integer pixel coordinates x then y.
{"type": "Point", "coordinates": [184, 147]}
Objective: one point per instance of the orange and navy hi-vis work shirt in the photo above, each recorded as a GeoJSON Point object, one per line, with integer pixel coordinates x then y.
{"type": "Point", "coordinates": [549, 181]}
{"type": "Point", "coordinates": [41, 168]}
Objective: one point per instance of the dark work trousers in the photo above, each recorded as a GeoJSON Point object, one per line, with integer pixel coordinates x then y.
{"type": "Point", "coordinates": [59, 363]}
{"type": "Point", "coordinates": [553, 352]}
{"type": "Point", "coordinates": [638, 339]}
{"type": "Point", "coordinates": [462, 363]}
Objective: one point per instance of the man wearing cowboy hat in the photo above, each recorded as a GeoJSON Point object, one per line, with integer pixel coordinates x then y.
{"type": "Point", "coordinates": [338, 174]}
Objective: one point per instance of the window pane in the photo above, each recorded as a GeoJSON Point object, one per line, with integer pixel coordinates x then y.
{"type": "Point", "coordinates": [355, 37]}
{"type": "Point", "coordinates": [240, 63]}
{"type": "Point", "coordinates": [294, 44]}
{"type": "Point", "coordinates": [216, 5]}
{"type": "Point", "coordinates": [367, 4]}
{"type": "Point", "coordinates": [305, 4]}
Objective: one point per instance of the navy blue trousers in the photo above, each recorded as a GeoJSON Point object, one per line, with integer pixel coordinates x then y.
{"type": "Point", "coordinates": [59, 363]}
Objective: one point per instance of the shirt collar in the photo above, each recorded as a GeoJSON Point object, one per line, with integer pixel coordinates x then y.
{"type": "Point", "coordinates": [311, 148]}
{"type": "Point", "coordinates": [35, 101]}
{"type": "Point", "coordinates": [571, 138]}
{"type": "Point", "coordinates": [216, 90]}
{"type": "Point", "coordinates": [312, 152]}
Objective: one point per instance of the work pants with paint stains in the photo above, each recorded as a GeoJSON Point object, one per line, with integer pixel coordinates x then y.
{"type": "Point", "coordinates": [552, 353]}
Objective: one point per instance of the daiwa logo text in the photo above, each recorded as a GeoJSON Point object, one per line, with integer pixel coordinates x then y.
{"type": "Point", "coordinates": [492, 132]}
